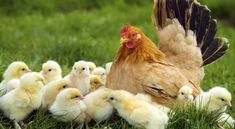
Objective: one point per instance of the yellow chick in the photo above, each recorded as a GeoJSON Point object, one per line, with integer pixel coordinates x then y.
{"type": "Point", "coordinates": [137, 112]}
{"type": "Point", "coordinates": [227, 120]}
{"type": "Point", "coordinates": [91, 66]}
{"type": "Point", "coordinates": [51, 71]}
{"type": "Point", "coordinates": [12, 84]}
{"type": "Point", "coordinates": [185, 95]}
{"type": "Point", "coordinates": [69, 106]}
{"type": "Point", "coordinates": [217, 98]}
{"type": "Point", "coordinates": [95, 82]}
{"type": "Point", "coordinates": [98, 107]}
{"type": "Point", "coordinates": [79, 77]}
{"type": "Point", "coordinates": [51, 90]}
{"type": "Point", "coordinates": [107, 67]}
{"type": "Point", "coordinates": [101, 72]}
{"type": "Point", "coordinates": [15, 70]}
{"type": "Point", "coordinates": [147, 98]}
{"type": "Point", "coordinates": [18, 103]}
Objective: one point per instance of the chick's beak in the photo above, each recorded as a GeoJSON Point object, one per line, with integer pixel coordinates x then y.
{"type": "Point", "coordinates": [229, 104]}
{"type": "Point", "coordinates": [82, 97]}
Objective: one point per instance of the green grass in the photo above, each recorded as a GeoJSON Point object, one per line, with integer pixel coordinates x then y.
{"type": "Point", "coordinates": [54, 31]}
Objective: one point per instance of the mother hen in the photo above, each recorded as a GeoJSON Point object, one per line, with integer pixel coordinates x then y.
{"type": "Point", "coordinates": [187, 43]}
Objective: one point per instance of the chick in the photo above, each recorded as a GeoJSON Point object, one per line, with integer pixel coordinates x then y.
{"type": "Point", "coordinates": [107, 67]}
{"type": "Point", "coordinates": [91, 66]}
{"type": "Point", "coordinates": [185, 95]}
{"type": "Point", "coordinates": [147, 98]}
{"type": "Point", "coordinates": [99, 71]}
{"type": "Point", "coordinates": [51, 71]}
{"type": "Point", "coordinates": [15, 70]}
{"type": "Point", "coordinates": [79, 77]}
{"type": "Point", "coordinates": [69, 106]}
{"type": "Point", "coordinates": [216, 99]}
{"type": "Point", "coordinates": [137, 112]}
{"type": "Point", "coordinates": [227, 120]}
{"type": "Point", "coordinates": [95, 83]}
{"type": "Point", "coordinates": [51, 90]}
{"type": "Point", "coordinates": [20, 102]}
{"type": "Point", "coordinates": [12, 84]}
{"type": "Point", "coordinates": [98, 107]}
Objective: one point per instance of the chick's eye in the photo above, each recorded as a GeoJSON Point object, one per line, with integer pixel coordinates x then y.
{"type": "Point", "coordinates": [23, 69]}
{"type": "Point", "coordinates": [76, 96]}
{"type": "Point", "coordinates": [74, 68]}
{"type": "Point", "coordinates": [83, 68]}
{"type": "Point", "coordinates": [49, 70]}
{"type": "Point", "coordinates": [182, 93]}
{"type": "Point", "coordinates": [95, 82]}
{"type": "Point", "coordinates": [222, 99]}
{"type": "Point", "coordinates": [64, 86]}
{"type": "Point", "coordinates": [111, 98]}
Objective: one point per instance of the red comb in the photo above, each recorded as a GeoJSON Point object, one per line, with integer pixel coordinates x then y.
{"type": "Point", "coordinates": [125, 28]}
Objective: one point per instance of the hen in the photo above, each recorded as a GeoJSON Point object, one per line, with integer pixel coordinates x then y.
{"type": "Point", "coordinates": [187, 43]}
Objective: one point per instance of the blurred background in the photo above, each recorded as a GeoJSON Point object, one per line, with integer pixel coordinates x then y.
{"type": "Point", "coordinates": [70, 30]}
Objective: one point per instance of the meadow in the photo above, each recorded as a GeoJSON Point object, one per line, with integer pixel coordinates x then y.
{"type": "Point", "coordinates": [68, 31]}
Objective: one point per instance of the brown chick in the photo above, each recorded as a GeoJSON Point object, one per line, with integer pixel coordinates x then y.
{"type": "Point", "coordinates": [95, 83]}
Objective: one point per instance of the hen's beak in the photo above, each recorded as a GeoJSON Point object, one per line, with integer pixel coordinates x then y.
{"type": "Point", "coordinates": [124, 40]}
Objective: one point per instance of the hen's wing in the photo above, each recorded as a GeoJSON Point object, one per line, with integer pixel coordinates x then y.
{"type": "Point", "coordinates": [164, 81]}
{"type": "Point", "coordinates": [195, 17]}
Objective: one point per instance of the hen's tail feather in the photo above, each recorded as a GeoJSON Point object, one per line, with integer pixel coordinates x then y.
{"type": "Point", "coordinates": [215, 50]}
{"type": "Point", "coordinates": [191, 15]}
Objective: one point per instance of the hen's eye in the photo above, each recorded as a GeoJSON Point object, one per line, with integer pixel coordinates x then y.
{"type": "Point", "coordinates": [222, 99]}
{"type": "Point", "coordinates": [182, 93]}
{"type": "Point", "coordinates": [133, 34]}
{"type": "Point", "coordinates": [49, 70]}
{"type": "Point", "coordinates": [23, 69]}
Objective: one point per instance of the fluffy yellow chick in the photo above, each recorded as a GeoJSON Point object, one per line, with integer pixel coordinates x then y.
{"type": "Point", "coordinates": [147, 98]}
{"type": "Point", "coordinates": [137, 112]}
{"type": "Point", "coordinates": [51, 71]}
{"type": "Point", "coordinates": [20, 102]}
{"type": "Point", "coordinates": [91, 66]}
{"type": "Point", "coordinates": [107, 67]}
{"type": "Point", "coordinates": [79, 77]}
{"type": "Point", "coordinates": [101, 72]}
{"type": "Point", "coordinates": [217, 98]}
{"type": "Point", "coordinates": [185, 95]}
{"type": "Point", "coordinates": [12, 84]}
{"type": "Point", "coordinates": [227, 120]}
{"type": "Point", "coordinates": [98, 107]}
{"type": "Point", "coordinates": [95, 83]}
{"type": "Point", "coordinates": [15, 70]}
{"type": "Point", "coordinates": [51, 90]}
{"type": "Point", "coordinates": [69, 106]}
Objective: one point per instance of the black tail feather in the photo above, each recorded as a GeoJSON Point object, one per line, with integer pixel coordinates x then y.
{"type": "Point", "coordinates": [215, 51]}
{"type": "Point", "coordinates": [191, 15]}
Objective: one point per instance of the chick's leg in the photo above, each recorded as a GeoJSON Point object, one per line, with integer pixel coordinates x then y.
{"type": "Point", "coordinates": [16, 125]}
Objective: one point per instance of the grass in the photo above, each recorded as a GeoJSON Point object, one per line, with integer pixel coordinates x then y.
{"type": "Point", "coordinates": [68, 35]}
